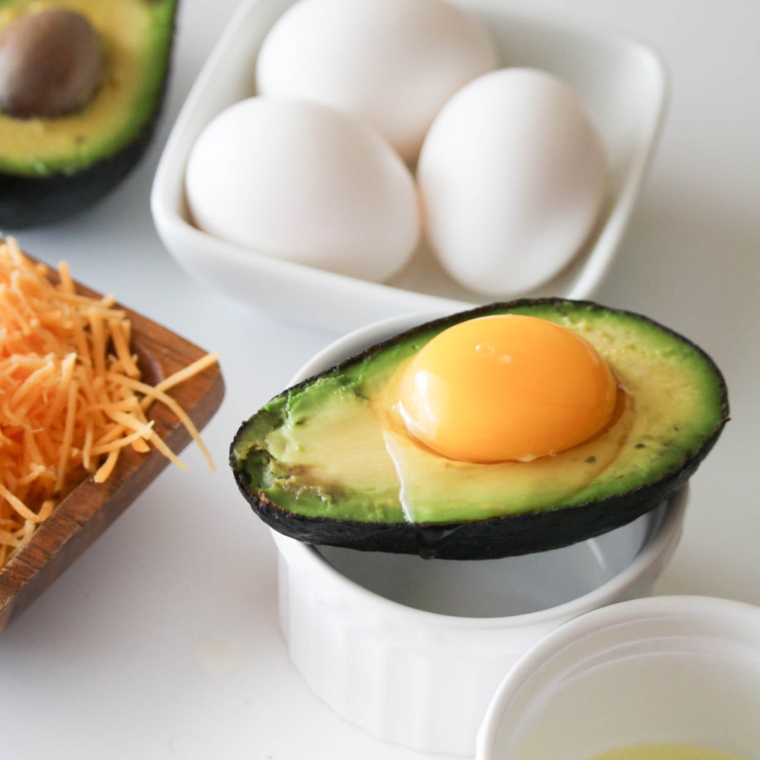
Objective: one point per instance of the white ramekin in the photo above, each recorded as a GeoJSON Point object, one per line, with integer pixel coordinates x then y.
{"type": "Point", "coordinates": [420, 678]}
{"type": "Point", "coordinates": [668, 669]}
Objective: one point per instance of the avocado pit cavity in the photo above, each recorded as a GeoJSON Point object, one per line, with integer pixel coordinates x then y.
{"type": "Point", "coordinates": [51, 64]}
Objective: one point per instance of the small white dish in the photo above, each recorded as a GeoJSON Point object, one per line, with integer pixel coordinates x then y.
{"type": "Point", "coordinates": [412, 650]}
{"type": "Point", "coordinates": [667, 669]}
{"type": "Point", "coordinates": [622, 82]}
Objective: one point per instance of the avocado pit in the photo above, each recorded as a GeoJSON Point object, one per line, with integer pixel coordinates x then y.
{"type": "Point", "coordinates": [51, 64]}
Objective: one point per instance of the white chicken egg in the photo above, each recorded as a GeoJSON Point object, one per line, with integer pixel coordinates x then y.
{"type": "Point", "coordinates": [393, 63]}
{"type": "Point", "coordinates": [512, 178]}
{"type": "Point", "coordinates": [304, 182]}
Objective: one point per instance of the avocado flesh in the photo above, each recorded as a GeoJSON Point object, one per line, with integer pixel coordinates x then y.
{"type": "Point", "coordinates": [328, 458]}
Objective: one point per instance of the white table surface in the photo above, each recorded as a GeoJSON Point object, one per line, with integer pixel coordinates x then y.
{"type": "Point", "coordinates": [162, 641]}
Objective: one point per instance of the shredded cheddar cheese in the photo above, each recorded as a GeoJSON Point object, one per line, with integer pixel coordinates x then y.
{"type": "Point", "coordinates": [71, 394]}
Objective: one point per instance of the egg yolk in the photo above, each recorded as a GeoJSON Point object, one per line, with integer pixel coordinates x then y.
{"type": "Point", "coordinates": [505, 388]}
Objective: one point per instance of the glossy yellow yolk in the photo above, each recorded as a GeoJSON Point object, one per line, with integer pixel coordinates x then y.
{"type": "Point", "coordinates": [506, 388]}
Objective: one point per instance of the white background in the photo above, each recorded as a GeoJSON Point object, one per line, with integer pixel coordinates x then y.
{"type": "Point", "coordinates": [122, 657]}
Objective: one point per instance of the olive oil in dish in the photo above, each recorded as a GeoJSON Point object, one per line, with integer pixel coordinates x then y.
{"type": "Point", "coordinates": [666, 752]}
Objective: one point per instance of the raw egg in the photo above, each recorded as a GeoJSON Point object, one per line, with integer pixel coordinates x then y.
{"type": "Point", "coordinates": [504, 388]}
{"type": "Point", "coordinates": [512, 177]}
{"type": "Point", "coordinates": [391, 63]}
{"type": "Point", "coordinates": [304, 182]}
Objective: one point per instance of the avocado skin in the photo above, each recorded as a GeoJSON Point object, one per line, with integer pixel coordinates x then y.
{"type": "Point", "coordinates": [494, 538]}
{"type": "Point", "coordinates": [28, 201]}
{"type": "Point", "coordinates": [36, 201]}
{"type": "Point", "coordinates": [497, 537]}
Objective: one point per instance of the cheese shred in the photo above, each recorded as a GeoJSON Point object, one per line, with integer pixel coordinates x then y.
{"type": "Point", "coordinates": [71, 394]}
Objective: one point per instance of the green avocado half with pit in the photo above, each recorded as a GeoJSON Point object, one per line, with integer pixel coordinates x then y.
{"type": "Point", "coordinates": [323, 463]}
{"type": "Point", "coordinates": [81, 85]}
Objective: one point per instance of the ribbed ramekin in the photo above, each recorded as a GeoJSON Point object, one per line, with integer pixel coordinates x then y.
{"type": "Point", "coordinates": [420, 678]}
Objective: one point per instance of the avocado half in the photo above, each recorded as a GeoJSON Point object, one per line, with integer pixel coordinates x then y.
{"type": "Point", "coordinates": [321, 464]}
{"type": "Point", "coordinates": [52, 168]}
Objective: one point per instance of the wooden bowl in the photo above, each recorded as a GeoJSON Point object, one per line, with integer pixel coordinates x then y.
{"type": "Point", "coordinates": [90, 508]}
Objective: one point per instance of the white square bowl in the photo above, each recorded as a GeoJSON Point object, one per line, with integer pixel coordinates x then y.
{"type": "Point", "coordinates": [622, 82]}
